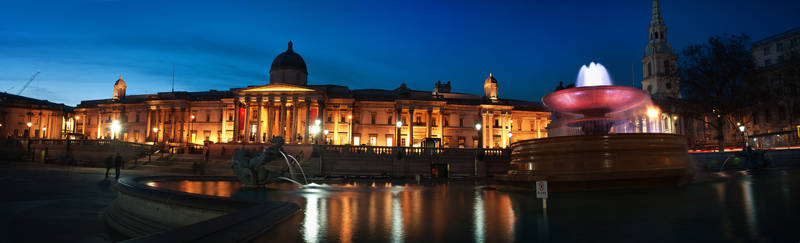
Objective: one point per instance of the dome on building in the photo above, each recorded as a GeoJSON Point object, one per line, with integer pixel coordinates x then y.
{"type": "Point", "coordinates": [289, 60]}
{"type": "Point", "coordinates": [288, 67]}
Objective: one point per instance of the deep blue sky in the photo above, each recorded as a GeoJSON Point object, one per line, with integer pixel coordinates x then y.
{"type": "Point", "coordinates": [82, 47]}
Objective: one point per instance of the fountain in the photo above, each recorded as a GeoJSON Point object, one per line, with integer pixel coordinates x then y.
{"type": "Point", "coordinates": [601, 135]}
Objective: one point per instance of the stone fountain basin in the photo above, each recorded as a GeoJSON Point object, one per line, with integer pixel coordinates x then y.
{"type": "Point", "coordinates": [595, 101]}
{"type": "Point", "coordinates": [145, 211]}
{"type": "Point", "coordinates": [587, 162]}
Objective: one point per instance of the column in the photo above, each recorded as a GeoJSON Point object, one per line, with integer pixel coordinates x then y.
{"type": "Point", "coordinates": [236, 119]}
{"type": "Point", "coordinates": [295, 103]}
{"type": "Point", "coordinates": [336, 116]}
{"type": "Point", "coordinates": [321, 108]}
{"type": "Point", "coordinates": [308, 123]}
{"type": "Point", "coordinates": [490, 129]}
{"type": "Point", "coordinates": [270, 120]}
{"type": "Point", "coordinates": [428, 123]}
{"type": "Point", "coordinates": [503, 130]}
{"type": "Point", "coordinates": [282, 119]}
{"type": "Point", "coordinates": [258, 115]}
{"type": "Point", "coordinates": [247, 119]}
{"type": "Point", "coordinates": [99, 123]}
{"type": "Point", "coordinates": [410, 126]}
{"type": "Point", "coordinates": [441, 126]}
{"type": "Point", "coordinates": [149, 115]}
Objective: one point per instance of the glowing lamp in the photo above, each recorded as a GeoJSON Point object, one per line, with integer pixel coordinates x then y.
{"type": "Point", "coordinates": [155, 129]}
{"type": "Point", "coordinates": [317, 122]}
{"type": "Point", "coordinates": [478, 126]}
{"type": "Point", "coordinates": [325, 132]}
{"type": "Point", "coordinates": [29, 124]}
{"type": "Point", "coordinates": [44, 129]}
{"type": "Point", "coordinates": [741, 128]}
{"type": "Point", "coordinates": [399, 124]}
{"type": "Point", "coordinates": [653, 112]}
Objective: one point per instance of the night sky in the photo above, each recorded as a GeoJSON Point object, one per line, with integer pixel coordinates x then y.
{"type": "Point", "coordinates": [82, 47]}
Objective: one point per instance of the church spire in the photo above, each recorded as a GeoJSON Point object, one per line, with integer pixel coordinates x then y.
{"type": "Point", "coordinates": [656, 18]}
{"type": "Point", "coordinates": [290, 46]}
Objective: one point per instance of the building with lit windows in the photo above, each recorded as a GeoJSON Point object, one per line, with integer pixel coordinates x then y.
{"type": "Point", "coordinates": [24, 117]}
{"type": "Point", "coordinates": [305, 113]}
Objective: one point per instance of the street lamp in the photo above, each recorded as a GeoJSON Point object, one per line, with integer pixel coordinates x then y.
{"type": "Point", "coordinates": [744, 135]}
{"type": "Point", "coordinates": [399, 125]}
{"type": "Point", "coordinates": [115, 128]}
{"type": "Point", "coordinates": [155, 130]}
{"type": "Point", "coordinates": [480, 135]}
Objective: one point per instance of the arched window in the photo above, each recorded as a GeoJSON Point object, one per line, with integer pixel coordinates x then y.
{"type": "Point", "coordinates": [649, 69]}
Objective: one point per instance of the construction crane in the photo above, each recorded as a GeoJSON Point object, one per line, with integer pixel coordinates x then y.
{"type": "Point", "coordinates": [28, 83]}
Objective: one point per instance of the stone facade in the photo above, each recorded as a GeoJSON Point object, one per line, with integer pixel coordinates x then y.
{"type": "Point", "coordinates": [306, 114]}
{"type": "Point", "coordinates": [23, 117]}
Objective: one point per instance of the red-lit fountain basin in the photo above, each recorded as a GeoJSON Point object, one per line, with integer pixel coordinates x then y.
{"type": "Point", "coordinates": [595, 101]}
{"type": "Point", "coordinates": [589, 162]}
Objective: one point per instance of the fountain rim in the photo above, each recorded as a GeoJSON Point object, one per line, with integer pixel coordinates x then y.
{"type": "Point", "coordinates": [575, 89]}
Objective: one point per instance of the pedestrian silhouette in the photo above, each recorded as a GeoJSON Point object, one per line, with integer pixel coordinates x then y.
{"type": "Point", "coordinates": [117, 164]}
{"type": "Point", "coordinates": [109, 162]}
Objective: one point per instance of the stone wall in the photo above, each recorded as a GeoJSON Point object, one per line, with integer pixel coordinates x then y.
{"type": "Point", "coordinates": [84, 152]}
{"type": "Point", "coordinates": [407, 161]}
{"type": "Point", "coordinates": [778, 157]}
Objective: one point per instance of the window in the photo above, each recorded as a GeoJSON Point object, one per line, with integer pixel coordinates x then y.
{"type": "Point", "coordinates": [390, 121]}
{"type": "Point", "coordinates": [460, 122]}
{"type": "Point", "coordinates": [230, 115]}
{"type": "Point", "coordinates": [755, 118]}
{"type": "Point", "coordinates": [433, 122]}
{"type": "Point", "coordinates": [330, 118]}
{"type": "Point", "coordinates": [766, 50]}
{"type": "Point", "coordinates": [496, 123]}
{"type": "Point", "coordinates": [389, 140]}
{"type": "Point", "coordinates": [356, 140]}
{"type": "Point", "coordinates": [780, 47]}
{"type": "Point", "coordinates": [767, 115]}
{"type": "Point", "coordinates": [373, 139]}
{"type": "Point", "coordinates": [343, 119]}
{"type": "Point", "coordinates": [666, 66]}
{"type": "Point", "coordinates": [372, 118]}
{"type": "Point", "coordinates": [137, 116]}
{"type": "Point", "coordinates": [649, 70]}
{"type": "Point", "coordinates": [446, 121]}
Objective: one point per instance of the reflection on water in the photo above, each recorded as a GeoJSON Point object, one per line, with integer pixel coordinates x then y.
{"type": "Point", "coordinates": [381, 211]}
{"type": "Point", "coordinates": [751, 208]}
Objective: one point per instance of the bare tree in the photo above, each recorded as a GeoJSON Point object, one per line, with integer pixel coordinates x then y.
{"type": "Point", "coordinates": [713, 76]}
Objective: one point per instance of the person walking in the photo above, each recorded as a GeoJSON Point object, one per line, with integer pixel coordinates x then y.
{"type": "Point", "coordinates": [108, 165]}
{"type": "Point", "coordinates": [117, 164]}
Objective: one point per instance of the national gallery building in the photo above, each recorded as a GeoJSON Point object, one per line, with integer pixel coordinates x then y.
{"type": "Point", "coordinates": [303, 114]}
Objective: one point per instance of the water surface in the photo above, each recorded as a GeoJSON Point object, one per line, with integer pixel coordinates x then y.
{"type": "Point", "coordinates": [755, 207]}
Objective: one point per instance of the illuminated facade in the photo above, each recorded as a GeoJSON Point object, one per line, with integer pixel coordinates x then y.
{"type": "Point", "coordinates": [303, 113]}
{"type": "Point", "coordinates": [23, 117]}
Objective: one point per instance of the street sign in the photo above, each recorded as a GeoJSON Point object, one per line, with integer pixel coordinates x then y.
{"type": "Point", "coordinates": [541, 189]}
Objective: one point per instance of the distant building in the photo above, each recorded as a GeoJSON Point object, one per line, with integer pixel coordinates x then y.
{"type": "Point", "coordinates": [301, 113]}
{"type": "Point", "coordinates": [660, 79]}
{"type": "Point", "coordinates": [776, 49]}
{"type": "Point", "coordinates": [775, 122]}
{"type": "Point", "coordinates": [23, 117]}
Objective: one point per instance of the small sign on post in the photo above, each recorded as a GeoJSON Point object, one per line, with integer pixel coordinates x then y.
{"type": "Point", "coordinates": [541, 192]}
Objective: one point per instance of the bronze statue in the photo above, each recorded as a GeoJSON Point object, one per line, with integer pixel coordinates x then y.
{"type": "Point", "coordinates": [249, 165]}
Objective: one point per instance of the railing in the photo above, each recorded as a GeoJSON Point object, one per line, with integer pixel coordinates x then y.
{"type": "Point", "coordinates": [413, 151]}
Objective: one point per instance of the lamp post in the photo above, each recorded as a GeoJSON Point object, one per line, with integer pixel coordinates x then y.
{"type": "Point", "coordinates": [316, 129]}
{"type": "Point", "coordinates": [191, 130]}
{"type": "Point", "coordinates": [480, 135]}
{"type": "Point", "coordinates": [399, 125]}
{"type": "Point", "coordinates": [509, 139]}
{"type": "Point", "coordinates": [350, 124]}
{"type": "Point", "coordinates": [744, 135]}
{"type": "Point", "coordinates": [115, 128]}
{"type": "Point", "coordinates": [29, 124]}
